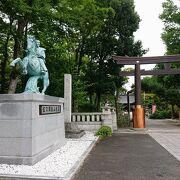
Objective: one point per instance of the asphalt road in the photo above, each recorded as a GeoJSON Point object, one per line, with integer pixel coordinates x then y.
{"type": "Point", "coordinates": [129, 157]}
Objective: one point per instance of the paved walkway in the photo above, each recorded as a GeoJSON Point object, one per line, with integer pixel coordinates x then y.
{"type": "Point", "coordinates": [167, 134]}
{"type": "Point", "coordinates": [129, 155]}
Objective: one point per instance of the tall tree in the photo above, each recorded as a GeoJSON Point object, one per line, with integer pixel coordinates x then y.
{"type": "Point", "coordinates": [115, 37]}
{"type": "Point", "coordinates": [171, 38]}
{"type": "Point", "coordinates": [171, 34]}
{"type": "Point", "coordinates": [167, 94]}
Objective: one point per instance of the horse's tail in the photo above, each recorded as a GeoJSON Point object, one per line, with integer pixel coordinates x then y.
{"type": "Point", "coordinates": [45, 78]}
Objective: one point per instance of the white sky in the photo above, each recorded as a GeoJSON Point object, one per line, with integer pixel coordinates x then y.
{"type": "Point", "coordinates": [150, 29]}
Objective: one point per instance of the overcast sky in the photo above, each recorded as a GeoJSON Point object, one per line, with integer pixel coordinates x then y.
{"type": "Point", "coordinates": [150, 29]}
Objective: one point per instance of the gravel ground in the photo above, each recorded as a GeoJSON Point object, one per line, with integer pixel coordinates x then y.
{"type": "Point", "coordinates": [58, 163]}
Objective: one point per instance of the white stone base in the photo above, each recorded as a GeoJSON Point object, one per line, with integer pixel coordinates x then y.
{"type": "Point", "coordinates": [26, 136]}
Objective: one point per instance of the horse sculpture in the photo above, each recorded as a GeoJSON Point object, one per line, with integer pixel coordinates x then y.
{"type": "Point", "coordinates": [33, 64]}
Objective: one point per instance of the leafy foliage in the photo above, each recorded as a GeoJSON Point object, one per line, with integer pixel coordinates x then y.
{"type": "Point", "coordinates": [163, 95]}
{"type": "Point", "coordinates": [171, 34]}
{"type": "Point", "coordinates": [122, 117]}
{"type": "Point", "coordinates": [164, 114]}
{"type": "Point", "coordinates": [104, 131]}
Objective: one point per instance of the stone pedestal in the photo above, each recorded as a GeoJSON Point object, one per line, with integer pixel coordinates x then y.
{"type": "Point", "coordinates": [107, 117]}
{"type": "Point", "coordinates": [31, 127]}
{"type": "Point", "coordinates": [73, 131]}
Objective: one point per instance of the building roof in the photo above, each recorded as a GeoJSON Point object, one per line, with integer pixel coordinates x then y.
{"type": "Point", "coordinates": [123, 99]}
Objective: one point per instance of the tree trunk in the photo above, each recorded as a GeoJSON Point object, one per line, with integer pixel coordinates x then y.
{"type": "Point", "coordinates": [172, 112]}
{"type": "Point", "coordinates": [98, 102]}
{"type": "Point", "coordinates": [3, 65]}
{"type": "Point", "coordinates": [79, 55]}
{"type": "Point", "coordinates": [74, 105]}
{"type": "Point", "coordinates": [14, 73]}
{"type": "Point", "coordinates": [13, 82]}
{"type": "Point", "coordinates": [5, 59]}
{"type": "Point", "coordinates": [17, 53]}
{"type": "Point", "coordinates": [80, 58]}
{"type": "Point", "coordinates": [90, 98]}
{"type": "Point", "coordinates": [116, 102]}
{"type": "Point", "coordinates": [98, 91]}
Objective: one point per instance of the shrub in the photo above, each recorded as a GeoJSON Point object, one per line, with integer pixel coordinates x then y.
{"type": "Point", "coordinates": [104, 132]}
{"type": "Point", "coordinates": [161, 115]}
{"type": "Point", "coordinates": [123, 121]}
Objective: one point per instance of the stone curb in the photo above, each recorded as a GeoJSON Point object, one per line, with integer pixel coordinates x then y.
{"type": "Point", "coordinates": [68, 176]}
{"type": "Point", "coordinates": [139, 129]}
{"type": "Point", "coordinates": [28, 177]}
{"type": "Point", "coordinates": [131, 131]}
{"type": "Point", "coordinates": [80, 162]}
{"type": "Point", "coordinates": [174, 120]}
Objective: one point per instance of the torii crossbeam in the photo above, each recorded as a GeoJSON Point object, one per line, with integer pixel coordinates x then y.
{"type": "Point", "coordinates": [146, 60]}
{"type": "Point", "coordinates": [139, 119]}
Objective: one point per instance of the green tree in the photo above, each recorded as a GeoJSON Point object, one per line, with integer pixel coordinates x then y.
{"type": "Point", "coordinates": [164, 95]}
{"type": "Point", "coordinates": [171, 38]}
{"type": "Point", "coordinates": [171, 19]}
{"type": "Point", "coordinates": [115, 37]}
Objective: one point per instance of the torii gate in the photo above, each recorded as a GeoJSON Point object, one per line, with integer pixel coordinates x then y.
{"type": "Point", "coordinates": [139, 118]}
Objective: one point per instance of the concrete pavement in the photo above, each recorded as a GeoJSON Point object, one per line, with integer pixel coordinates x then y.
{"type": "Point", "coordinates": [167, 134]}
{"type": "Point", "coordinates": [132, 155]}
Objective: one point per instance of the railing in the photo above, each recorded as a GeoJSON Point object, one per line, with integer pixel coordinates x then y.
{"type": "Point", "coordinates": [86, 117]}
{"type": "Point", "coordinates": [93, 121]}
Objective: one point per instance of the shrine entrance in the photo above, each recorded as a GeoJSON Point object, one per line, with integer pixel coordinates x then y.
{"type": "Point", "coordinates": [139, 115]}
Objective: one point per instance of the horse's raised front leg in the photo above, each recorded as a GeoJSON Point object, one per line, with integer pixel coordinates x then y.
{"type": "Point", "coordinates": [15, 61]}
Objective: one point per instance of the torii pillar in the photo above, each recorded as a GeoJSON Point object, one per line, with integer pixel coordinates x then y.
{"type": "Point", "coordinates": [138, 115]}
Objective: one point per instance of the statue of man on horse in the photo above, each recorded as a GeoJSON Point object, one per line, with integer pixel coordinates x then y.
{"type": "Point", "coordinates": [33, 64]}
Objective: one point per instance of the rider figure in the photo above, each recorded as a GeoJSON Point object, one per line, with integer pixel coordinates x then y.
{"type": "Point", "coordinates": [41, 56]}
